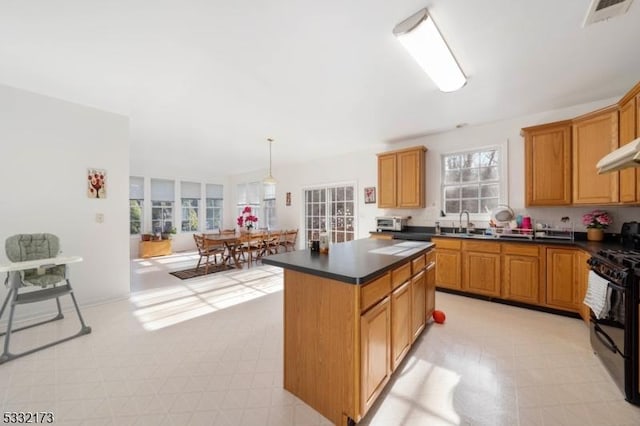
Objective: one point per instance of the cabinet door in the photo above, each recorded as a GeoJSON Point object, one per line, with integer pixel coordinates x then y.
{"type": "Point", "coordinates": [562, 285]}
{"type": "Point", "coordinates": [401, 335]}
{"type": "Point", "coordinates": [430, 272]}
{"type": "Point", "coordinates": [521, 279]}
{"type": "Point", "coordinates": [375, 341]}
{"type": "Point", "coordinates": [637, 114]}
{"type": "Point", "coordinates": [628, 178]}
{"type": "Point", "coordinates": [482, 273]}
{"type": "Point", "coordinates": [386, 180]}
{"type": "Point", "coordinates": [448, 267]}
{"type": "Point", "coordinates": [419, 301]}
{"type": "Point", "coordinates": [594, 136]}
{"type": "Point", "coordinates": [583, 283]}
{"type": "Point", "coordinates": [548, 164]}
{"type": "Point", "coordinates": [410, 183]}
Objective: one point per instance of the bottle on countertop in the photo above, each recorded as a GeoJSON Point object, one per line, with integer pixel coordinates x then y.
{"type": "Point", "coordinates": [438, 230]}
{"type": "Point", "coordinates": [324, 242]}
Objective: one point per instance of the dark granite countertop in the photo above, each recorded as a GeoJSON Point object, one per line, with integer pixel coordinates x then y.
{"type": "Point", "coordinates": [426, 233]}
{"type": "Point", "coordinates": [354, 262]}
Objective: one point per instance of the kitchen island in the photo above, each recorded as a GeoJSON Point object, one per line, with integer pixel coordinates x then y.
{"type": "Point", "coordinates": [350, 317]}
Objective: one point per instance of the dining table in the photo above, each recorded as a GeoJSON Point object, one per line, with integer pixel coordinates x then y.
{"type": "Point", "coordinates": [233, 243]}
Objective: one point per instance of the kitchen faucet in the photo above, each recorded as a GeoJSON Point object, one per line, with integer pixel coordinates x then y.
{"type": "Point", "coordinates": [460, 227]}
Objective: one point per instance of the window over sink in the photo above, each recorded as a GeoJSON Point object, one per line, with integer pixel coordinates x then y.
{"type": "Point", "coordinates": [471, 180]}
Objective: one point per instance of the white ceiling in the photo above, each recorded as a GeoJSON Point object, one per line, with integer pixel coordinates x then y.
{"type": "Point", "coordinates": [205, 82]}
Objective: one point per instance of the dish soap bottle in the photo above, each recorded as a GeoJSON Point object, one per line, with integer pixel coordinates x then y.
{"type": "Point", "coordinates": [324, 242]}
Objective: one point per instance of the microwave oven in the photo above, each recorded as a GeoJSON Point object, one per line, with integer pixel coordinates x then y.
{"type": "Point", "coordinates": [391, 223]}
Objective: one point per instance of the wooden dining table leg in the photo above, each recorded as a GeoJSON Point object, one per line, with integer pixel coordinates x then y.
{"type": "Point", "coordinates": [231, 248]}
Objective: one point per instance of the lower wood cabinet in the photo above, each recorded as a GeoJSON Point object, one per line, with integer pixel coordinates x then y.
{"type": "Point", "coordinates": [401, 333]}
{"type": "Point", "coordinates": [481, 266]}
{"type": "Point", "coordinates": [375, 344]}
{"type": "Point", "coordinates": [562, 278]}
{"type": "Point", "coordinates": [449, 261]}
{"type": "Point", "coordinates": [521, 273]}
{"type": "Point", "coordinates": [536, 274]}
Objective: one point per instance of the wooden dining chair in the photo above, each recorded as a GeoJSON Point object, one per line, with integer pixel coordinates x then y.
{"type": "Point", "coordinates": [254, 246]}
{"type": "Point", "coordinates": [272, 243]}
{"type": "Point", "coordinates": [208, 251]}
{"type": "Point", "coordinates": [289, 239]}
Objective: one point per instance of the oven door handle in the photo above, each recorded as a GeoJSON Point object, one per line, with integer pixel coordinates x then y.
{"type": "Point", "coordinates": [605, 339]}
{"type": "Point", "coordinates": [609, 283]}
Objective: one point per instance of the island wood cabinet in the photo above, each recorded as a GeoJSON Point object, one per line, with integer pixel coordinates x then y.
{"type": "Point", "coordinates": [401, 178]}
{"type": "Point", "coordinates": [430, 277]}
{"type": "Point", "coordinates": [594, 136]}
{"type": "Point", "coordinates": [521, 273]}
{"type": "Point", "coordinates": [342, 341]}
{"type": "Point", "coordinates": [448, 263]}
{"type": "Point", "coordinates": [389, 328]}
{"type": "Point", "coordinates": [481, 268]}
{"type": "Point", "coordinates": [548, 164]}
{"type": "Point", "coordinates": [375, 329]}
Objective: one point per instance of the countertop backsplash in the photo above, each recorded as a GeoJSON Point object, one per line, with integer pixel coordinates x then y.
{"type": "Point", "coordinates": [548, 215]}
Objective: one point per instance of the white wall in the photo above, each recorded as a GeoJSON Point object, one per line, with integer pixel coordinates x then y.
{"type": "Point", "coordinates": [46, 146]}
{"type": "Point", "coordinates": [361, 168]}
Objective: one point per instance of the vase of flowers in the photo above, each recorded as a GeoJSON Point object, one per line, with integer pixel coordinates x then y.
{"type": "Point", "coordinates": [247, 219]}
{"type": "Point", "coordinates": [596, 222]}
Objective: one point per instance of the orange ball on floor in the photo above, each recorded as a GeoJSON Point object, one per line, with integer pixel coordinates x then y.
{"type": "Point", "coordinates": [439, 317]}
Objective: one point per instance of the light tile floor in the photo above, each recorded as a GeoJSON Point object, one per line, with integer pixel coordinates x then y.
{"type": "Point", "coordinates": [208, 351]}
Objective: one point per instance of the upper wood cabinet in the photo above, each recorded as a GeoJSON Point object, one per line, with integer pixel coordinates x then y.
{"type": "Point", "coordinates": [401, 176]}
{"type": "Point", "coordinates": [629, 129]}
{"type": "Point", "coordinates": [594, 136]}
{"type": "Point", "coordinates": [627, 122]}
{"type": "Point", "coordinates": [548, 164]}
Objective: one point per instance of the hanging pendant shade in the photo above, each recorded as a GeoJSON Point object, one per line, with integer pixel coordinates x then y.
{"type": "Point", "coordinates": [270, 180]}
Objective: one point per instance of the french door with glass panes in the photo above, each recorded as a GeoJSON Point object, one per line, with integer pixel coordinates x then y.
{"type": "Point", "coordinates": [330, 209]}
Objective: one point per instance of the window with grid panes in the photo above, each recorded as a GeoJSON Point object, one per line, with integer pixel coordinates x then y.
{"type": "Point", "coordinates": [331, 209]}
{"type": "Point", "coordinates": [269, 206]}
{"type": "Point", "coordinates": [162, 201]}
{"type": "Point", "coordinates": [190, 203]}
{"type": "Point", "coordinates": [471, 181]}
{"type": "Point", "coordinates": [136, 205]}
{"type": "Point", "coordinates": [214, 205]}
{"type": "Point", "coordinates": [248, 194]}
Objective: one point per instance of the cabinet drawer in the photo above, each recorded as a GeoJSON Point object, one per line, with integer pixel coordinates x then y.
{"type": "Point", "coordinates": [374, 291]}
{"type": "Point", "coordinates": [400, 275]}
{"type": "Point", "coordinates": [446, 243]}
{"type": "Point", "coordinates": [417, 264]}
{"type": "Point", "coordinates": [481, 246]}
{"type": "Point", "coordinates": [431, 257]}
{"type": "Point", "coordinates": [521, 249]}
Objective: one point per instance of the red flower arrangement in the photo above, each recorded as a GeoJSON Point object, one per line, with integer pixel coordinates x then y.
{"type": "Point", "coordinates": [246, 218]}
{"type": "Point", "coordinates": [597, 219]}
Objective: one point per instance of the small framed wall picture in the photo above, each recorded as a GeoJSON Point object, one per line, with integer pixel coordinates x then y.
{"type": "Point", "coordinates": [96, 183]}
{"type": "Point", "coordinates": [370, 195]}
{"type": "Point", "coordinates": [288, 199]}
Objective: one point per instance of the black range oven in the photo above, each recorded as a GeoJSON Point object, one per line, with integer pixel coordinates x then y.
{"type": "Point", "coordinates": [614, 333]}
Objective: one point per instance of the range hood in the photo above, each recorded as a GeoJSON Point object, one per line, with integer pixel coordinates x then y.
{"type": "Point", "coordinates": [623, 157]}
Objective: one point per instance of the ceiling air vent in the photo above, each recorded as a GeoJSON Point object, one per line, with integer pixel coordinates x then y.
{"type": "Point", "coordinates": [601, 10]}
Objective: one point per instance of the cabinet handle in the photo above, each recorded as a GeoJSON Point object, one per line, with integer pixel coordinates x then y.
{"type": "Point", "coordinates": [430, 266]}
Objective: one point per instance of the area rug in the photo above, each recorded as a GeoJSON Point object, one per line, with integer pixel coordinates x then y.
{"type": "Point", "coordinates": [193, 272]}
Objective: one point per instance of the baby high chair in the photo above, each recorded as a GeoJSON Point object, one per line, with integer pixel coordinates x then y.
{"type": "Point", "coordinates": [35, 263]}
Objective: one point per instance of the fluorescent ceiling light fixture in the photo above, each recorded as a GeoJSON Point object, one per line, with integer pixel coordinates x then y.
{"type": "Point", "coordinates": [420, 36]}
{"type": "Point", "coordinates": [270, 180]}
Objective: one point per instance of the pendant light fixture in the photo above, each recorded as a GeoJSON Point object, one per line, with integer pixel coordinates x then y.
{"type": "Point", "coordinates": [270, 180]}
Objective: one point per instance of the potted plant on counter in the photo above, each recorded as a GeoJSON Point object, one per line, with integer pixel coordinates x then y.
{"type": "Point", "coordinates": [596, 222]}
